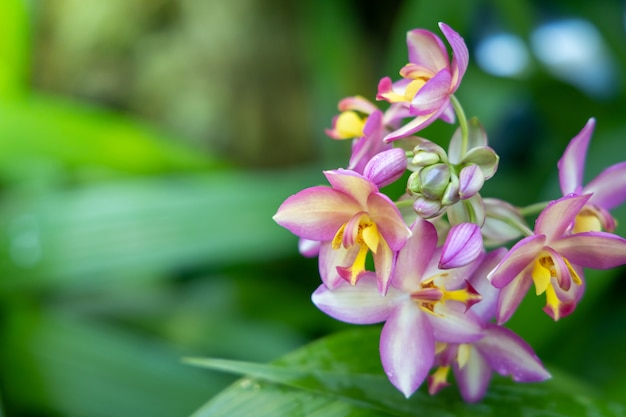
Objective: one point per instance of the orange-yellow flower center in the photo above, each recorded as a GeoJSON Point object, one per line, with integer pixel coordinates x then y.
{"type": "Point", "coordinates": [544, 269]}
{"type": "Point", "coordinates": [349, 125]}
{"type": "Point", "coordinates": [365, 234]}
{"type": "Point", "coordinates": [429, 295]}
{"type": "Point", "coordinates": [587, 221]}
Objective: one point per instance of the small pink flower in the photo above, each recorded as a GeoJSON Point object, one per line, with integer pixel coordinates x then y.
{"type": "Point", "coordinates": [349, 220]}
{"type": "Point", "coordinates": [608, 189]}
{"type": "Point", "coordinates": [429, 79]}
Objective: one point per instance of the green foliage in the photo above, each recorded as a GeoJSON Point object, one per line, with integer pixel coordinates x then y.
{"type": "Point", "coordinates": [341, 376]}
{"type": "Point", "coordinates": [124, 248]}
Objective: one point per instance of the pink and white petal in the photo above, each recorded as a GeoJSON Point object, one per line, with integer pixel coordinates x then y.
{"type": "Point", "coordinates": [511, 296]}
{"type": "Point", "coordinates": [427, 50]}
{"type": "Point", "coordinates": [521, 255]}
{"type": "Point", "coordinates": [388, 219]}
{"type": "Point", "coordinates": [351, 183]}
{"type": "Point", "coordinates": [316, 213]}
{"type": "Point", "coordinates": [395, 113]}
{"type": "Point", "coordinates": [330, 259]}
{"type": "Point", "coordinates": [384, 260]}
{"type": "Point", "coordinates": [597, 250]}
{"type": "Point", "coordinates": [452, 324]}
{"type": "Point", "coordinates": [559, 215]}
{"type": "Point", "coordinates": [358, 103]}
{"type": "Point", "coordinates": [463, 245]}
{"type": "Point", "coordinates": [460, 54]}
{"type": "Point", "coordinates": [572, 163]}
{"type": "Point", "coordinates": [433, 96]}
{"type": "Point", "coordinates": [417, 124]}
{"type": "Point", "coordinates": [508, 354]}
{"type": "Point", "coordinates": [359, 304]}
{"type": "Point", "coordinates": [609, 187]}
{"type": "Point", "coordinates": [474, 377]}
{"type": "Point", "coordinates": [448, 115]}
{"type": "Point", "coordinates": [485, 309]}
{"type": "Point", "coordinates": [415, 256]}
{"type": "Point", "coordinates": [407, 347]}
{"type": "Point", "coordinates": [471, 180]}
{"type": "Point", "coordinates": [309, 248]}
{"type": "Point", "coordinates": [386, 167]}
{"type": "Point", "coordinates": [374, 125]}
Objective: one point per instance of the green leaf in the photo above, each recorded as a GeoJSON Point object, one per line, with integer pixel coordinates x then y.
{"type": "Point", "coordinates": [75, 367]}
{"type": "Point", "coordinates": [108, 232]}
{"type": "Point", "coordinates": [341, 375]}
{"type": "Point", "coordinates": [42, 130]}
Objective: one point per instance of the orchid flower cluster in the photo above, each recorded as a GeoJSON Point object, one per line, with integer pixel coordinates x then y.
{"type": "Point", "coordinates": [442, 267]}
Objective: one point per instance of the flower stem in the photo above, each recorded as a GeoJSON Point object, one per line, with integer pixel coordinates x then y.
{"type": "Point", "coordinates": [533, 208]}
{"type": "Point", "coordinates": [460, 114]}
{"type": "Point", "coordinates": [404, 203]}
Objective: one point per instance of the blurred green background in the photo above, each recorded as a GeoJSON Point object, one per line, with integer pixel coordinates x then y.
{"type": "Point", "coordinates": [145, 145]}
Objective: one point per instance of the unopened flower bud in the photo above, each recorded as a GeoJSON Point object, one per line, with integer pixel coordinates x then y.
{"type": "Point", "coordinates": [433, 180]}
{"type": "Point", "coordinates": [386, 167]}
{"type": "Point", "coordinates": [471, 181]}
{"type": "Point", "coordinates": [485, 157]}
{"type": "Point", "coordinates": [503, 222]}
{"type": "Point", "coordinates": [451, 193]}
{"type": "Point", "coordinates": [426, 208]}
{"type": "Point", "coordinates": [425, 158]}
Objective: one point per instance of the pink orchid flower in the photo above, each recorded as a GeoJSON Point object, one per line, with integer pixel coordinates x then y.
{"type": "Point", "coordinates": [429, 79]}
{"type": "Point", "coordinates": [498, 350]}
{"type": "Point", "coordinates": [361, 121]}
{"type": "Point", "coordinates": [608, 189]}
{"type": "Point", "coordinates": [350, 220]}
{"type": "Point", "coordinates": [424, 304]}
{"type": "Point", "coordinates": [552, 259]}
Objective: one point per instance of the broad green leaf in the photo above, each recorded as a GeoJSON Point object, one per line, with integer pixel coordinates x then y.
{"type": "Point", "coordinates": [75, 366]}
{"type": "Point", "coordinates": [108, 232]}
{"type": "Point", "coordinates": [68, 135]}
{"type": "Point", "coordinates": [341, 376]}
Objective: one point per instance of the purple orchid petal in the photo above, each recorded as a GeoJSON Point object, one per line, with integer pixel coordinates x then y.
{"type": "Point", "coordinates": [386, 167]}
{"type": "Point", "coordinates": [563, 277]}
{"type": "Point", "coordinates": [516, 260]}
{"type": "Point", "coordinates": [418, 123]}
{"type": "Point", "coordinates": [572, 163]}
{"type": "Point", "coordinates": [433, 96]}
{"type": "Point", "coordinates": [309, 248]}
{"type": "Point", "coordinates": [609, 187]}
{"type": "Point", "coordinates": [316, 213]}
{"type": "Point", "coordinates": [388, 219]}
{"type": "Point", "coordinates": [330, 259]}
{"type": "Point", "coordinates": [559, 215]}
{"type": "Point", "coordinates": [383, 263]}
{"type": "Point", "coordinates": [352, 184]}
{"type": "Point", "coordinates": [597, 250]}
{"type": "Point", "coordinates": [507, 354]}
{"type": "Point", "coordinates": [463, 245]}
{"type": "Point", "coordinates": [452, 324]}
{"type": "Point", "coordinates": [485, 309]}
{"type": "Point", "coordinates": [357, 103]}
{"type": "Point", "coordinates": [473, 378]}
{"type": "Point", "coordinates": [415, 256]}
{"type": "Point", "coordinates": [448, 115]}
{"type": "Point", "coordinates": [359, 304]}
{"type": "Point", "coordinates": [460, 54]}
{"type": "Point", "coordinates": [407, 348]}
{"type": "Point", "coordinates": [471, 180]}
{"type": "Point", "coordinates": [427, 50]}
{"type": "Point", "coordinates": [511, 295]}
